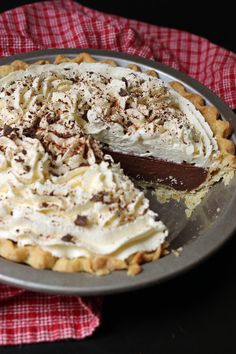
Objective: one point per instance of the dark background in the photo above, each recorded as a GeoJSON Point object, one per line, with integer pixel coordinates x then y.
{"type": "Point", "coordinates": [196, 312]}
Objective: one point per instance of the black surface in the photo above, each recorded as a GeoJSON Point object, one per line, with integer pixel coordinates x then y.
{"type": "Point", "coordinates": [194, 313]}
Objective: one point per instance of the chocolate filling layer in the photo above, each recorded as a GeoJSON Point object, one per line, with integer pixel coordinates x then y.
{"type": "Point", "coordinates": [183, 177]}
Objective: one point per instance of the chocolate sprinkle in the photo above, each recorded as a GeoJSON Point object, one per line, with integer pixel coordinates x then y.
{"type": "Point", "coordinates": [125, 81]}
{"type": "Point", "coordinates": [97, 197]}
{"type": "Point", "coordinates": [123, 92]}
{"type": "Point", "coordinates": [7, 130]}
{"type": "Point", "coordinates": [67, 238]}
{"type": "Point", "coordinates": [31, 131]}
{"type": "Point", "coordinates": [52, 120]}
{"type": "Point", "coordinates": [81, 220]}
{"type": "Point", "coordinates": [27, 168]}
{"type": "Point", "coordinates": [19, 159]}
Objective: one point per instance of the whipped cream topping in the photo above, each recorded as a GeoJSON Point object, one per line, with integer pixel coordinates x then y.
{"type": "Point", "coordinates": [129, 111]}
{"type": "Point", "coordinates": [61, 193]}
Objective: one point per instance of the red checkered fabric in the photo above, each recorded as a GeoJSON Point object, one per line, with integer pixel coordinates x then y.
{"type": "Point", "coordinates": [67, 24]}
{"type": "Point", "coordinates": [27, 317]}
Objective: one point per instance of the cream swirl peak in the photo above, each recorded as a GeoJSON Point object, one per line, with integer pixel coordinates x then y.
{"type": "Point", "coordinates": [129, 111]}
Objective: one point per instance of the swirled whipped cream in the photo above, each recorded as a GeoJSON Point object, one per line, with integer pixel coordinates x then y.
{"type": "Point", "coordinates": [59, 192]}
{"type": "Point", "coordinates": [129, 111]}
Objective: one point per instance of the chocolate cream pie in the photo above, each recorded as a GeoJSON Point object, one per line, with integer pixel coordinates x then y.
{"type": "Point", "coordinates": [65, 203]}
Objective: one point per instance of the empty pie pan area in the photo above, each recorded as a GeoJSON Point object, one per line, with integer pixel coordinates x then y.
{"type": "Point", "coordinates": [211, 224]}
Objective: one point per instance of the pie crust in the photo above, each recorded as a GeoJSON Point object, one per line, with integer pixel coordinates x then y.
{"type": "Point", "coordinates": [102, 265]}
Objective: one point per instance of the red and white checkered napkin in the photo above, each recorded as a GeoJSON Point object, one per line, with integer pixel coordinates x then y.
{"type": "Point", "coordinates": [64, 24]}
{"type": "Point", "coordinates": [27, 317]}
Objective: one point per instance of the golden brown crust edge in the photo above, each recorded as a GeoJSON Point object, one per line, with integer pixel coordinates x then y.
{"type": "Point", "coordinates": [37, 258]}
{"type": "Point", "coordinates": [220, 128]}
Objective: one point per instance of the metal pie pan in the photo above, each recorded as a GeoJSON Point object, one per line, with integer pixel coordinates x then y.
{"type": "Point", "coordinates": [211, 224]}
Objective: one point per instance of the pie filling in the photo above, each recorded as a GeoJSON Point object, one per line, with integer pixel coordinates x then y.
{"type": "Point", "coordinates": [184, 177]}
{"type": "Point", "coordinates": [59, 190]}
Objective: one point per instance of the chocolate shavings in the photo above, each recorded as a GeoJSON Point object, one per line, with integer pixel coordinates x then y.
{"type": "Point", "coordinates": [7, 130]}
{"type": "Point", "coordinates": [68, 238]}
{"type": "Point", "coordinates": [123, 92]}
{"type": "Point", "coordinates": [81, 220]}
